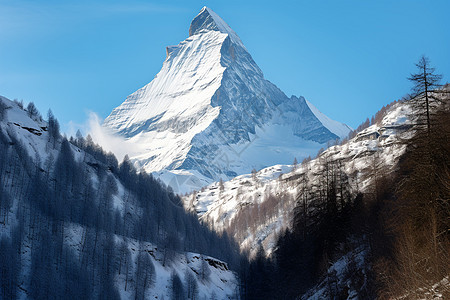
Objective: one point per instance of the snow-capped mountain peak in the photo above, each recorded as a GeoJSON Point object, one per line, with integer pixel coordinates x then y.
{"type": "Point", "coordinates": [210, 113]}
{"type": "Point", "coordinates": [208, 20]}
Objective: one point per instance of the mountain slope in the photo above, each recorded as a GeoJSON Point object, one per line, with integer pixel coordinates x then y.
{"type": "Point", "coordinates": [71, 226]}
{"type": "Point", "coordinates": [210, 113]}
{"type": "Point", "coordinates": [254, 208]}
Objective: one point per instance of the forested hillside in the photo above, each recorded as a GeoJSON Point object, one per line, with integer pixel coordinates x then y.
{"type": "Point", "coordinates": [256, 208]}
{"type": "Point", "coordinates": [76, 224]}
{"type": "Point", "coordinates": [360, 219]}
{"type": "Point", "coordinates": [389, 240]}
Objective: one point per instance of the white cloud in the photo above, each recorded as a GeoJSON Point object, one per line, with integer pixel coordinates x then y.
{"type": "Point", "coordinates": [108, 140]}
{"type": "Point", "coordinates": [104, 137]}
{"type": "Point", "coordinates": [71, 128]}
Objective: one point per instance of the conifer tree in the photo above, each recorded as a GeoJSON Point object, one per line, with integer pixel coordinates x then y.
{"type": "Point", "coordinates": [426, 84]}
{"type": "Point", "coordinates": [177, 287]}
{"type": "Point", "coordinates": [32, 111]}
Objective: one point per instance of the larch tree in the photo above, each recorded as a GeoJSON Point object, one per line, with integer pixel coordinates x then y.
{"type": "Point", "coordinates": [33, 112]}
{"type": "Point", "coordinates": [294, 164]}
{"type": "Point", "coordinates": [426, 85]}
{"type": "Point", "coordinates": [191, 285]}
{"type": "Point", "coordinates": [177, 288]}
{"type": "Point", "coordinates": [3, 108]}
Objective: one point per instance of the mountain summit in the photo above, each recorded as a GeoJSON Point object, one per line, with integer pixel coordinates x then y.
{"type": "Point", "coordinates": [208, 20]}
{"type": "Point", "coordinates": [210, 114]}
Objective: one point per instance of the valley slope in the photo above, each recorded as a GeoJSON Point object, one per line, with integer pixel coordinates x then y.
{"type": "Point", "coordinates": [71, 226]}
{"type": "Point", "coordinates": [255, 208]}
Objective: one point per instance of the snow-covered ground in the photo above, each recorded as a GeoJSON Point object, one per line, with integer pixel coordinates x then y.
{"type": "Point", "coordinates": [275, 189]}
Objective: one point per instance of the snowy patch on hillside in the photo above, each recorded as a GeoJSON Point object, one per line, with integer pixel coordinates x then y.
{"type": "Point", "coordinates": [275, 189]}
{"type": "Point", "coordinates": [33, 133]}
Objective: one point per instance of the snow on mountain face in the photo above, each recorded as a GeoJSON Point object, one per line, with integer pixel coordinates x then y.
{"type": "Point", "coordinates": [273, 192]}
{"type": "Point", "coordinates": [209, 113]}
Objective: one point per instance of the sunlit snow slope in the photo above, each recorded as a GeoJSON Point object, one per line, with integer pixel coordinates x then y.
{"type": "Point", "coordinates": [255, 208]}
{"type": "Point", "coordinates": [209, 113]}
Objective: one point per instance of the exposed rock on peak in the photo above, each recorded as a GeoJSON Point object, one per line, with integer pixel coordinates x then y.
{"type": "Point", "coordinates": [208, 20]}
{"type": "Point", "coordinates": [203, 21]}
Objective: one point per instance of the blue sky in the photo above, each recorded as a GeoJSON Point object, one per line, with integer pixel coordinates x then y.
{"type": "Point", "coordinates": [348, 58]}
